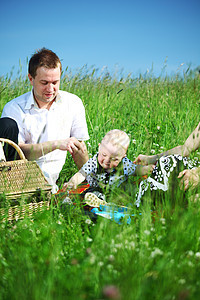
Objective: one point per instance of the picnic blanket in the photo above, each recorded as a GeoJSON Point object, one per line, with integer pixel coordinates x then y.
{"type": "Point", "coordinates": [116, 213]}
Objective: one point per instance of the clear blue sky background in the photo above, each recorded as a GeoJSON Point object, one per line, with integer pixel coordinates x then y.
{"type": "Point", "coordinates": [129, 35]}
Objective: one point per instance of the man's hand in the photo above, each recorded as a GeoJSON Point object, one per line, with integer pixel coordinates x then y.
{"type": "Point", "coordinates": [72, 145]}
{"type": "Point", "coordinates": [34, 151]}
{"type": "Point", "coordinates": [189, 178]}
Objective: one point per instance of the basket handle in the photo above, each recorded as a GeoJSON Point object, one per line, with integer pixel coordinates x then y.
{"type": "Point", "coordinates": [14, 145]}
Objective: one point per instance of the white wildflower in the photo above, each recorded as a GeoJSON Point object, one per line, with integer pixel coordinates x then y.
{"type": "Point", "coordinates": [89, 239]}
{"type": "Point", "coordinates": [190, 253]}
{"type": "Point", "coordinates": [88, 143]}
{"type": "Point", "coordinates": [146, 244]}
{"type": "Point", "coordinates": [158, 127]}
{"type": "Point", "coordinates": [88, 221]}
{"type": "Point", "coordinates": [162, 220]}
{"type": "Point", "coordinates": [92, 259]}
{"type": "Point", "coordinates": [190, 264]}
{"type": "Point", "coordinates": [197, 255]}
{"type": "Point", "coordinates": [110, 267]}
{"type": "Point", "coordinates": [132, 245]}
{"type": "Point", "coordinates": [182, 281]}
{"type": "Point", "coordinates": [111, 258]}
{"type": "Point", "coordinates": [159, 238]}
{"type": "Point", "coordinates": [114, 250]}
{"type": "Point", "coordinates": [134, 141]}
{"type": "Point", "coordinates": [100, 264]}
{"type": "Point", "coordinates": [119, 246]}
{"type": "Point", "coordinates": [147, 232]}
{"type": "Point", "coordinates": [156, 252]}
{"type": "Point", "coordinates": [152, 151]}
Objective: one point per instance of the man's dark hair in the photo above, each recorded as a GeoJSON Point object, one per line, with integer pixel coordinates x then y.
{"type": "Point", "coordinates": [43, 58]}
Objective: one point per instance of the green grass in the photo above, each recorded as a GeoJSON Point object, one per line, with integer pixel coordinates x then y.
{"type": "Point", "coordinates": [63, 254]}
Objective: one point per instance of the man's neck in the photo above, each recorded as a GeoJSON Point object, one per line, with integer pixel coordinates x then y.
{"type": "Point", "coordinates": [44, 105]}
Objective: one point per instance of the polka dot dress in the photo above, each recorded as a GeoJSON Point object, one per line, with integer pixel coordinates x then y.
{"type": "Point", "coordinates": [96, 176]}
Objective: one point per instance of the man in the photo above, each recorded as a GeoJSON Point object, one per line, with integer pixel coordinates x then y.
{"type": "Point", "coordinates": [189, 178]}
{"type": "Point", "coordinates": [50, 121]}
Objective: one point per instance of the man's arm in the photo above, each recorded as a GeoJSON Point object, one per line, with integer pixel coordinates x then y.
{"type": "Point", "coordinates": [76, 148]}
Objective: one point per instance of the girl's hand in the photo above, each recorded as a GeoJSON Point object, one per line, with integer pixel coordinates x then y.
{"type": "Point", "coordinates": [68, 186]}
{"type": "Point", "coordinates": [143, 160]}
{"type": "Point", "coordinates": [189, 178]}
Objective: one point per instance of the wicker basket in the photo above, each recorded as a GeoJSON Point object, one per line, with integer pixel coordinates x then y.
{"type": "Point", "coordinates": [22, 179]}
{"type": "Point", "coordinates": [18, 212]}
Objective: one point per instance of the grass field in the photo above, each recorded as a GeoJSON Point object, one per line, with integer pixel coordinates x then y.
{"type": "Point", "coordinates": [65, 255]}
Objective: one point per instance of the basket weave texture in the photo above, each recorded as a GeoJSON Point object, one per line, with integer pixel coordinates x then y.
{"type": "Point", "coordinates": [20, 180]}
{"type": "Point", "coordinates": [18, 212]}
{"type": "Point", "coordinates": [21, 177]}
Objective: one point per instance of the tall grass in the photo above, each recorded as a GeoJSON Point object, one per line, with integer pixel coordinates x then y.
{"type": "Point", "coordinates": [62, 254]}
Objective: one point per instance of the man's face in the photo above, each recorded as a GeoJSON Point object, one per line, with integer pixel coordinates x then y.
{"type": "Point", "coordinates": [45, 84]}
{"type": "Point", "coordinates": [109, 156]}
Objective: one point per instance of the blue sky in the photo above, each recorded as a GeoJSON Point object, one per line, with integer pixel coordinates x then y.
{"type": "Point", "coordinates": [129, 35]}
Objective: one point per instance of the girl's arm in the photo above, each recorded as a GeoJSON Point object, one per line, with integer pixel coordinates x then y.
{"type": "Point", "coordinates": [74, 181]}
{"type": "Point", "coordinates": [191, 144]}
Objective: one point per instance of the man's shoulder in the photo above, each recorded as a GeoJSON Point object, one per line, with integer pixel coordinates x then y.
{"type": "Point", "coordinates": [67, 96]}
{"type": "Point", "coordinates": [20, 100]}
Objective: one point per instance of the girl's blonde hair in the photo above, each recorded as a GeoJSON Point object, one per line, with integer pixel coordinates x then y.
{"type": "Point", "coordinates": [117, 138]}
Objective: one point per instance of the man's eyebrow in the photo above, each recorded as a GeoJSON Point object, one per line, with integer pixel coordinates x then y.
{"type": "Point", "coordinates": [43, 80]}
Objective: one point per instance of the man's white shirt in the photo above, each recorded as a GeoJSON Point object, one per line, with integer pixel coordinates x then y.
{"type": "Point", "coordinates": [64, 119]}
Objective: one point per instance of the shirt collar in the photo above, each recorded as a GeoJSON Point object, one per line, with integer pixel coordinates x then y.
{"type": "Point", "coordinates": [31, 103]}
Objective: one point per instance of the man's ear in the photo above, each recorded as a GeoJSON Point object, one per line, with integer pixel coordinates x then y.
{"type": "Point", "coordinates": [30, 79]}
